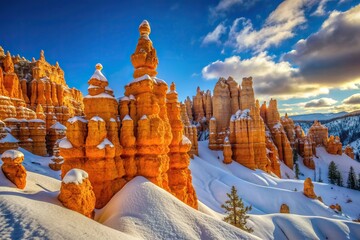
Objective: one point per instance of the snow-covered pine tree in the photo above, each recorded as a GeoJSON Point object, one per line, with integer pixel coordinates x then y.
{"type": "Point", "coordinates": [297, 171]}
{"type": "Point", "coordinates": [235, 210]}
{"type": "Point", "coordinates": [339, 179]}
{"type": "Point", "coordinates": [351, 181]}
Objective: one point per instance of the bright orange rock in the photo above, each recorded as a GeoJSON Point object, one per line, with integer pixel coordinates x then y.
{"type": "Point", "coordinates": [13, 169]}
{"type": "Point", "coordinates": [349, 151]}
{"type": "Point", "coordinates": [309, 188]}
{"type": "Point", "coordinates": [319, 133]}
{"type": "Point", "coordinates": [144, 58]}
{"type": "Point", "coordinates": [56, 160]}
{"type": "Point", "coordinates": [76, 192]}
{"type": "Point", "coordinates": [179, 175]}
{"type": "Point", "coordinates": [308, 154]}
{"type": "Point", "coordinates": [334, 145]}
{"type": "Point", "coordinates": [190, 131]}
{"type": "Point", "coordinates": [284, 208]}
{"type": "Point", "coordinates": [56, 132]}
{"type": "Point", "coordinates": [227, 152]}
{"type": "Point", "coordinates": [93, 144]}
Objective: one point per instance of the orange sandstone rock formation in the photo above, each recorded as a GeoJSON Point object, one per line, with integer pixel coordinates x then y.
{"type": "Point", "coordinates": [55, 132]}
{"type": "Point", "coordinates": [349, 151]}
{"type": "Point", "coordinates": [190, 131]}
{"type": "Point", "coordinates": [227, 152]}
{"type": "Point", "coordinates": [151, 142]}
{"type": "Point", "coordinates": [56, 160]}
{"type": "Point", "coordinates": [284, 208]}
{"type": "Point", "coordinates": [319, 133]}
{"type": "Point", "coordinates": [279, 135]}
{"type": "Point", "coordinates": [76, 192]}
{"type": "Point", "coordinates": [179, 175]}
{"type": "Point", "coordinates": [93, 144]}
{"type": "Point", "coordinates": [334, 146]}
{"type": "Point", "coordinates": [309, 188]}
{"type": "Point", "coordinates": [13, 169]}
{"type": "Point", "coordinates": [7, 141]}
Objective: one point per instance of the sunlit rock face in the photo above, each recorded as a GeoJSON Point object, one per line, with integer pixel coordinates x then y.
{"type": "Point", "coordinates": [92, 143]}
{"type": "Point", "coordinates": [76, 193]}
{"type": "Point", "coordinates": [13, 169]}
{"type": "Point", "coordinates": [279, 135]}
{"type": "Point", "coordinates": [349, 151]}
{"type": "Point", "coordinates": [309, 189]}
{"type": "Point", "coordinates": [141, 135]}
{"type": "Point", "coordinates": [35, 90]}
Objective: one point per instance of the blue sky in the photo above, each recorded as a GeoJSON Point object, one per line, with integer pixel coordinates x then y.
{"type": "Point", "coordinates": [305, 53]}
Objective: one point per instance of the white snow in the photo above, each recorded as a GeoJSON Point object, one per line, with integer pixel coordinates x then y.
{"type": "Point", "coordinates": [144, 117]}
{"type": "Point", "coordinates": [131, 97]}
{"type": "Point", "coordinates": [144, 77]}
{"type": "Point", "coordinates": [98, 75]}
{"type": "Point", "coordinates": [125, 98]}
{"type": "Point", "coordinates": [12, 154]}
{"type": "Point", "coordinates": [101, 95]}
{"type": "Point", "coordinates": [76, 176]}
{"type": "Point", "coordinates": [141, 210]}
{"type": "Point", "coordinates": [58, 126]}
{"type": "Point", "coordinates": [97, 119]}
{"type": "Point", "coordinates": [9, 139]}
{"type": "Point", "coordinates": [127, 118]}
{"type": "Point", "coordinates": [144, 22]}
{"type": "Point", "coordinates": [77, 118]}
{"type": "Point", "coordinates": [37, 120]}
{"type": "Point", "coordinates": [112, 120]}
{"type": "Point", "coordinates": [185, 140]}
{"type": "Point", "coordinates": [65, 143]}
{"type": "Point", "coordinates": [103, 144]}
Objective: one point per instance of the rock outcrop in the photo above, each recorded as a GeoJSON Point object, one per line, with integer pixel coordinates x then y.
{"type": "Point", "coordinates": [13, 169]}
{"type": "Point", "coordinates": [93, 144]}
{"type": "Point", "coordinates": [190, 131]}
{"type": "Point", "coordinates": [319, 133]}
{"type": "Point", "coordinates": [31, 91]}
{"type": "Point", "coordinates": [334, 145]}
{"type": "Point", "coordinates": [76, 192]}
{"type": "Point", "coordinates": [227, 152]}
{"type": "Point", "coordinates": [55, 132]}
{"type": "Point", "coordinates": [7, 141]}
{"type": "Point", "coordinates": [179, 175]}
{"type": "Point", "coordinates": [349, 151]}
{"type": "Point", "coordinates": [309, 188]}
{"type": "Point", "coordinates": [151, 142]}
{"type": "Point", "coordinates": [279, 135]}
{"type": "Point", "coordinates": [56, 160]}
{"type": "Point", "coordinates": [284, 208]}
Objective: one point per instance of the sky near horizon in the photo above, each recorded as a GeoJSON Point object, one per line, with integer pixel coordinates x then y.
{"type": "Point", "coordinates": [305, 53]}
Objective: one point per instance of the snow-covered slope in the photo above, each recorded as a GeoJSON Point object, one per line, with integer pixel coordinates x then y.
{"type": "Point", "coordinates": [144, 211]}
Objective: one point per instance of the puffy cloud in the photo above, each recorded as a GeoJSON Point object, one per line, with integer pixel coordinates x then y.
{"type": "Point", "coordinates": [331, 56]}
{"type": "Point", "coordinates": [320, 103]}
{"type": "Point", "coordinates": [353, 99]}
{"type": "Point", "coordinates": [214, 36]}
{"type": "Point", "coordinates": [279, 26]}
{"type": "Point", "coordinates": [271, 79]}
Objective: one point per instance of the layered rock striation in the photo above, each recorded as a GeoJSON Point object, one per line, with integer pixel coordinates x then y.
{"type": "Point", "coordinates": [142, 135]}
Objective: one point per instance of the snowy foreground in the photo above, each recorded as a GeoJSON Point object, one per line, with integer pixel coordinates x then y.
{"type": "Point", "coordinates": [142, 210]}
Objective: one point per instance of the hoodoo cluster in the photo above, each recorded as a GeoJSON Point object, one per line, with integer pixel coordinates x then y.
{"type": "Point", "coordinates": [140, 135]}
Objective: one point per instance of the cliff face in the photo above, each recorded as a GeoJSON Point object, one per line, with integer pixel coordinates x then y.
{"type": "Point", "coordinates": [34, 90]}
{"type": "Point", "coordinates": [148, 141]}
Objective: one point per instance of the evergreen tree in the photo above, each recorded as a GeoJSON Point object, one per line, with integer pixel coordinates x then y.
{"type": "Point", "coordinates": [339, 179]}
{"type": "Point", "coordinates": [235, 210]}
{"type": "Point", "coordinates": [351, 181]}
{"type": "Point", "coordinates": [358, 182]}
{"type": "Point", "coordinates": [332, 175]}
{"type": "Point", "coordinates": [297, 171]}
{"type": "Point", "coordinates": [320, 179]}
{"type": "Point", "coordinates": [295, 156]}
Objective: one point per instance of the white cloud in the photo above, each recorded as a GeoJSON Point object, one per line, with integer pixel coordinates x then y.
{"type": "Point", "coordinates": [279, 26]}
{"type": "Point", "coordinates": [271, 78]}
{"type": "Point", "coordinates": [353, 99]}
{"type": "Point", "coordinates": [331, 56]}
{"type": "Point", "coordinates": [320, 10]}
{"type": "Point", "coordinates": [214, 36]}
{"type": "Point", "coordinates": [320, 103]}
